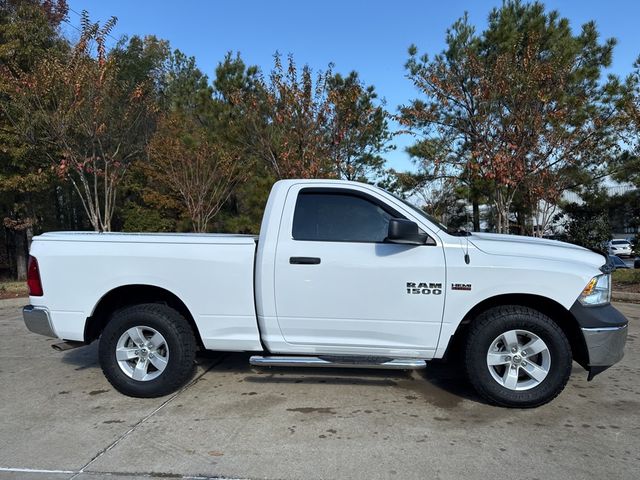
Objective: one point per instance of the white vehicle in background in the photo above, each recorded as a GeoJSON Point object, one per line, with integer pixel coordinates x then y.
{"type": "Point", "coordinates": [621, 248]}
{"type": "Point", "coordinates": [342, 275]}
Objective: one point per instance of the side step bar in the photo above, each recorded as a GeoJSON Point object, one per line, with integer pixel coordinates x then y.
{"type": "Point", "coordinates": [338, 362]}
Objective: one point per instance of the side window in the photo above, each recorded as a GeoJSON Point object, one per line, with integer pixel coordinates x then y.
{"type": "Point", "coordinates": [339, 217]}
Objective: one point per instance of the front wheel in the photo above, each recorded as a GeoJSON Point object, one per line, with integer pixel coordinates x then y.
{"type": "Point", "coordinates": [147, 350]}
{"type": "Point", "coordinates": [517, 357]}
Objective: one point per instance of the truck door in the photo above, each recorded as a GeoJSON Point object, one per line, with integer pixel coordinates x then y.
{"type": "Point", "coordinates": [339, 288]}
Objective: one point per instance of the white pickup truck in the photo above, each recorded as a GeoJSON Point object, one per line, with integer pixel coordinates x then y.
{"type": "Point", "coordinates": [343, 274]}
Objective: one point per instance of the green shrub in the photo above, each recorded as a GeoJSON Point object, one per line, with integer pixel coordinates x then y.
{"type": "Point", "coordinates": [140, 219]}
{"type": "Point", "coordinates": [627, 277]}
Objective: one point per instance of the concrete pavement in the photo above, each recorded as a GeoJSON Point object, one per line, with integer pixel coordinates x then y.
{"type": "Point", "coordinates": [62, 420]}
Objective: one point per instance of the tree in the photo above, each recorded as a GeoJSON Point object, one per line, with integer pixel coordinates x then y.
{"type": "Point", "coordinates": [587, 223]}
{"type": "Point", "coordinates": [627, 166]}
{"type": "Point", "coordinates": [286, 122]}
{"type": "Point", "coordinates": [180, 88]}
{"type": "Point", "coordinates": [518, 106]}
{"type": "Point", "coordinates": [307, 126]}
{"type": "Point", "coordinates": [91, 119]}
{"type": "Point", "coordinates": [199, 171]}
{"type": "Point", "coordinates": [444, 123]}
{"type": "Point", "coordinates": [184, 88]}
{"type": "Point", "coordinates": [28, 32]}
{"type": "Point", "coordinates": [234, 84]}
{"type": "Point", "coordinates": [359, 130]}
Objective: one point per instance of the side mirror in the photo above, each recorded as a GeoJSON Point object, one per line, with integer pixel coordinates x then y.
{"type": "Point", "coordinates": [406, 232]}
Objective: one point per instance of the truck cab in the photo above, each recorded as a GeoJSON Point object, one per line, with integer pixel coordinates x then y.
{"type": "Point", "coordinates": [329, 280]}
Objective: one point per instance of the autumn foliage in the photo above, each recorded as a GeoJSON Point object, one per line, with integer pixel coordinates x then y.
{"type": "Point", "coordinates": [306, 125]}
{"type": "Point", "coordinates": [89, 121]}
{"type": "Point", "coordinates": [517, 108]}
{"type": "Point", "coordinates": [200, 171]}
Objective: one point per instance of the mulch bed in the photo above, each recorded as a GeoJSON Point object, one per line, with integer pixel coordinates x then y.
{"type": "Point", "coordinates": [626, 287]}
{"type": "Point", "coordinates": [5, 295]}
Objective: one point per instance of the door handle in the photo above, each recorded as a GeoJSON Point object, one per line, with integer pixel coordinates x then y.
{"type": "Point", "coordinates": [304, 260]}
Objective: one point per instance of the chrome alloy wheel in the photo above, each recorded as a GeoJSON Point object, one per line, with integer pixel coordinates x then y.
{"type": "Point", "coordinates": [142, 353]}
{"type": "Point", "coordinates": [518, 360]}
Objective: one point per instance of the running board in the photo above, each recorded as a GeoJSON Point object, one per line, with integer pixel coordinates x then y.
{"type": "Point", "coordinates": [338, 362]}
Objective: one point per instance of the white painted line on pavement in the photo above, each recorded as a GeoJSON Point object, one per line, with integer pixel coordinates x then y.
{"type": "Point", "coordinates": [76, 472]}
{"type": "Point", "coordinates": [34, 470]}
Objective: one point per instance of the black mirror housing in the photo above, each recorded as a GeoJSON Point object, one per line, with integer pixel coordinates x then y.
{"type": "Point", "coordinates": [405, 232]}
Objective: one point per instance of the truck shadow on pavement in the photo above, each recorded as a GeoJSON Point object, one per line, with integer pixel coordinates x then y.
{"type": "Point", "coordinates": [442, 383]}
{"type": "Point", "coordinates": [82, 357]}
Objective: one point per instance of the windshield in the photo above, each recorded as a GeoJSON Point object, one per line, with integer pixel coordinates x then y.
{"type": "Point", "coordinates": [619, 242]}
{"type": "Point", "coordinates": [419, 211]}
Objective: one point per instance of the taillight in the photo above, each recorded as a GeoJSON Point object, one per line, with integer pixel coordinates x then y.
{"type": "Point", "coordinates": [33, 278]}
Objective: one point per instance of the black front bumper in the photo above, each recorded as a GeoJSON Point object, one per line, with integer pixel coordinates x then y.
{"type": "Point", "coordinates": [604, 330]}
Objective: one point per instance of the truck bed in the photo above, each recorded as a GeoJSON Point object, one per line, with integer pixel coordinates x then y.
{"type": "Point", "coordinates": [212, 274]}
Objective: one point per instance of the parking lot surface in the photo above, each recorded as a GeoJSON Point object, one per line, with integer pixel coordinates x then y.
{"type": "Point", "coordinates": [62, 420]}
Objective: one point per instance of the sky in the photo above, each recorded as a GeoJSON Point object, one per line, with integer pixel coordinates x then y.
{"type": "Point", "coordinates": [371, 37]}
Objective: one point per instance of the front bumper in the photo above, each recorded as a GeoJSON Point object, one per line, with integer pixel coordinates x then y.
{"type": "Point", "coordinates": [605, 346]}
{"type": "Point", "coordinates": [38, 320]}
{"type": "Point", "coordinates": [605, 333]}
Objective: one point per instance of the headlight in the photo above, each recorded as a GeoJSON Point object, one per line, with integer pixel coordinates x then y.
{"type": "Point", "coordinates": [597, 291]}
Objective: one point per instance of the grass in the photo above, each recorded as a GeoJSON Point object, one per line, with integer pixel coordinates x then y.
{"type": "Point", "coordinates": [626, 281]}
{"type": "Point", "coordinates": [11, 289]}
{"type": "Point", "coordinates": [626, 277]}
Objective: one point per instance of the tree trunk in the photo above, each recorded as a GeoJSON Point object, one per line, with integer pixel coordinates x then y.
{"type": "Point", "coordinates": [29, 236]}
{"type": "Point", "coordinates": [521, 219]}
{"type": "Point", "coordinates": [21, 255]}
{"type": "Point", "coordinates": [499, 212]}
{"type": "Point", "coordinates": [503, 218]}
{"type": "Point", "coordinates": [476, 215]}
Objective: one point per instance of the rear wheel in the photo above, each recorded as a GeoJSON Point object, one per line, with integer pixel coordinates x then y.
{"type": "Point", "coordinates": [147, 350]}
{"type": "Point", "coordinates": [517, 357]}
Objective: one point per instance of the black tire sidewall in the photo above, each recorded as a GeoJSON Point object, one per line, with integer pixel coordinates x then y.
{"type": "Point", "coordinates": [481, 338]}
{"type": "Point", "coordinates": [181, 350]}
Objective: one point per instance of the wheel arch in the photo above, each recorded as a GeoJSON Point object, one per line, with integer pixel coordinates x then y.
{"type": "Point", "coordinates": [547, 306]}
{"type": "Point", "coordinates": [134, 294]}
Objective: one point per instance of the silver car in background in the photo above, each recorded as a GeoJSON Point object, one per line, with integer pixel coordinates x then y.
{"type": "Point", "coordinates": [620, 248]}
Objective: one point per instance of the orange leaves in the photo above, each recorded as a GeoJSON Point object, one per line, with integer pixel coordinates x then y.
{"type": "Point", "coordinates": [515, 109]}
{"type": "Point", "coordinates": [62, 168]}
{"type": "Point", "coordinates": [288, 118]}
{"type": "Point", "coordinates": [306, 125]}
{"type": "Point", "coordinates": [138, 93]}
{"type": "Point", "coordinates": [85, 117]}
{"type": "Point", "coordinates": [19, 224]}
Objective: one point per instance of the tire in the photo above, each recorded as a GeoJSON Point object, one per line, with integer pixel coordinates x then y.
{"type": "Point", "coordinates": [147, 350]}
{"type": "Point", "coordinates": [505, 332]}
